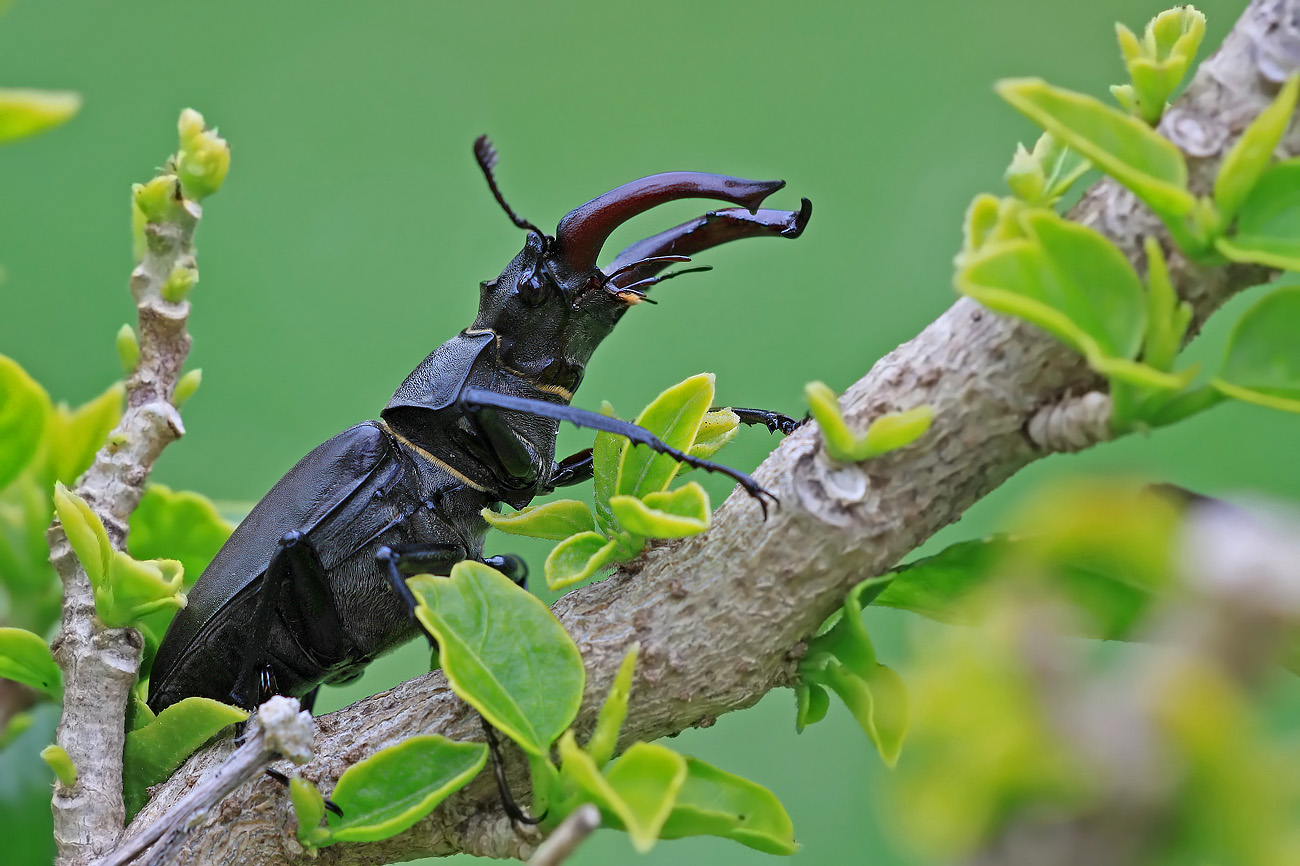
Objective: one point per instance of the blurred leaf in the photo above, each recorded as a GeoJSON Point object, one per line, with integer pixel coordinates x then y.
{"type": "Point", "coordinates": [1041, 176]}
{"type": "Point", "coordinates": [555, 520]}
{"type": "Point", "coordinates": [59, 761]}
{"type": "Point", "coordinates": [24, 407]}
{"type": "Point", "coordinates": [26, 658]}
{"type": "Point", "coordinates": [25, 791]}
{"type": "Point", "coordinates": [75, 435]}
{"type": "Point", "coordinates": [204, 157]}
{"type": "Point", "coordinates": [28, 112]}
{"type": "Point", "coordinates": [878, 700]}
{"type": "Point", "coordinates": [309, 807]}
{"type": "Point", "coordinates": [1159, 61]}
{"type": "Point", "coordinates": [716, 803]}
{"type": "Point", "coordinates": [577, 558]}
{"type": "Point", "coordinates": [154, 751]}
{"type": "Point", "coordinates": [604, 738]}
{"type": "Point", "coordinates": [1268, 224]}
{"type": "Point", "coordinates": [938, 587]}
{"type": "Point", "coordinates": [180, 525]}
{"type": "Point", "coordinates": [504, 652]}
{"type": "Point", "coordinates": [674, 416]}
{"type": "Point", "coordinates": [1167, 317]}
{"type": "Point", "coordinates": [666, 514]}
{"type": "Point", "coordinates": [812, 704]}
{"type": "Point", "coordinates": [397, 786]}
{"type": "Point", "coordinates": [1262, 363]}
{"type": "Point", "coordinates": [1120, 145]}
{"type": "Point", "coordinates": [1249, 158]}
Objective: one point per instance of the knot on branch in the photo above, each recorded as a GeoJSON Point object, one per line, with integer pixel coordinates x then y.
{"type": "Point", "coordinates": [1073, 424]}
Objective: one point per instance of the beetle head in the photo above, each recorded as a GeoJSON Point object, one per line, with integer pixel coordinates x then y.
{"type": "Point", "coordinates": [552, 305]}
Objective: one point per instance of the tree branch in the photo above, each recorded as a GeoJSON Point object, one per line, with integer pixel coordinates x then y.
{"type": "Point", "coordinates": [99, 664]}
{"type": "Point", "coordinates": [721, 616]}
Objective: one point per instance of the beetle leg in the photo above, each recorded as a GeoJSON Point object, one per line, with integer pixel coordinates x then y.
{"type": "Point", "coordinates": [508, 802]}
{"type": "Point", "coordinates": [294, 588]}
{"type": "Point", "coordinates": [478, 397]}
{"type": "Point", "coordinates": [515, 454]}
{"type": "Point", "coordinates": [411, 559]}
{"type": "Point", "coordinates": [511, 566]}
{"type": "Point", "coordinates": [574, 469]}
{"type": "Point", "coordinates": [284, 780]}
{"type": "Point", "coordinates": [773, 421]}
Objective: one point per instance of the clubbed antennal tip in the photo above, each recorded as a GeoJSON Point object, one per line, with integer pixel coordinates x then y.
{"type": "Point", "coordinates": [486, 155]}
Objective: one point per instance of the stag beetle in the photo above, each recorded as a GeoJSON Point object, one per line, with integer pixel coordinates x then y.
{"type": "Point", "coordinates": [307, 589]}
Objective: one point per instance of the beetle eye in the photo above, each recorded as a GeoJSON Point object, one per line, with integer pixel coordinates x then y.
{"type": "Point", "coordinates": [531, 288]}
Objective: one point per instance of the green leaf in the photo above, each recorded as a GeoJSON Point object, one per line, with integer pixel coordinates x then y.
{"type": "Point", "coordinates": [85, 533]}
{"type": "Point", "coordinates": [716, 803]}
{"type": "Point", "coordinates": [26, 658]}
{"type": "Point", "coordinates": [136, 588]}
{"type": "Point", "coordinates": [877, 699]}
{"type": "Point", "coordinates": [646, 779]}
{"type": "Point", "coordinates": [1167, 317]}
{"type": "Point", "coordinates": [1120, 145]}
{"type": "Point", "coordinates": [716, 429]}
{"type": "Point", "coordinates": [154, 751]}
{"type": "Point", "coordinates": [504, 652]}
{"type": "Point", "coordinates": [1068, 280]}
{"type": "Point", "coordinates": [27, 112]}
{"type": "Point", "coordinates": [577, 558]}
{"type": "Point", "coordinates": [605, 454]}
{"type": "Point", "coordinates": [887, 433]}
{"type": "Point", "coordinates": [1268, 224]}
{"type": "Point", "coordinates": [1262, 364]}
{"type": "Point", "coordinates": [1249, 158]}
{"type": "Point", "coordinates": [938, 587]}
{"type": "Point", "coordinates": [397, 786]}
{"type": "Point", "coordinates": [1042, 176]}
{"type": "Point", "coordinates": [309, 806]}
{"type": "Point", "coordinates": [74, 435]}
{"type": "Point", "coordinates": [60, 762]}
{"type": "Point", "coordinates": [24, 407]}
{"type": "Point", "coordinates": [667, 514]}
{"type": "Point", "coordinates": [613, 712]}
{"type": "Point", "coordinates": [812, 704]}
{"type": "Point", "coordinates": [897, 430]}
{"type": "Point", "coordinates": [982, 217]}
{"type": "Point", "coordinates": [555, 520]}
{"type": "Point", "coordinates": [639, 791]}
{"type": "Point", "coordinates": [674, 416]}
{"type": "Point", "coordinates": [1160, 60]}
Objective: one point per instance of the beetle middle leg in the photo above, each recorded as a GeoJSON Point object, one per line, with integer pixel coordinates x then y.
{"type": "Point", "coordinates": [294, 588]}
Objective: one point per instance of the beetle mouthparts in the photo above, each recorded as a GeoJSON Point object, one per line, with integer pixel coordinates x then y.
{"type": "Point", "coordinates": [584, 231]}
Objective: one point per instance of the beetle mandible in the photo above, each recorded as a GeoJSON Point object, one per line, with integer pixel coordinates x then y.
{"type": "Point", "coordinates": [302, 592]}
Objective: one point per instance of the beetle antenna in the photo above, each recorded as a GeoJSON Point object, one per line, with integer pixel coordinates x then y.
{"type": "Point", "coordinates": [648, 261]}
{"type": "Point", "coordinates": [650, 281]}
{"type": "Point", "coordinates": [486, 155]}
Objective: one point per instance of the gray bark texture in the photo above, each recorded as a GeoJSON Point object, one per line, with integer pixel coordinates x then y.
{"type": "Point", "coordinates": [99, 664]}
{"type": "Point", "coordinates": [721, 617]}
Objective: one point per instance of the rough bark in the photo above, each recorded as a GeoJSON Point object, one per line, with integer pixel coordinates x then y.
{"type": "Point", "coordinates": [721, 616]}
{"type": "Point", "coordinates": [99, 664]}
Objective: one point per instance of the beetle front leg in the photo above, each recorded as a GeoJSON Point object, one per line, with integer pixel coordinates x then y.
{"type": "Point", "coordinates": [574, 469]}
{"type": "Point", "coordinates": [773, 421]}
{"type": "Point", "coordinates": [511, 450]}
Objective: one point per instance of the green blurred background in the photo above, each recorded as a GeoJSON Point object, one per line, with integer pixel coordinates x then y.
{"type": "Point", "coordinates": [354, 228]}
